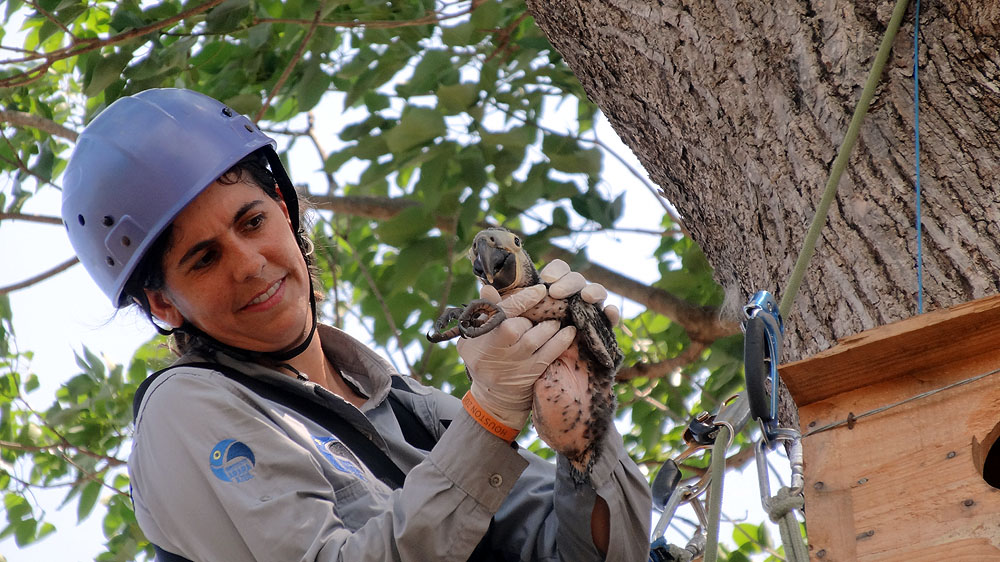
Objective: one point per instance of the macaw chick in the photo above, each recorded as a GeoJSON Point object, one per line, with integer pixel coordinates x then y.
{"type": "Point", "coordinates": [573, 402]}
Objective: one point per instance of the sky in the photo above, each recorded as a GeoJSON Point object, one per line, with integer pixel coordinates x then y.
{"type": "Point", "coordinates": [59, 316]}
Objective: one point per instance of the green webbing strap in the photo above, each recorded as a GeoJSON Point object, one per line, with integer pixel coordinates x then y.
{"type": "Point", "coordinates": [843, 155]}
{"type": "Point", "coordinates": [718, 470]}
{"type": "Point", "coordinates": [782, 511]}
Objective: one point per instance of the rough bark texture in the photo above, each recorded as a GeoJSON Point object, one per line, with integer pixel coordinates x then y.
{"type": "Point", "coordinates": [737, 109]}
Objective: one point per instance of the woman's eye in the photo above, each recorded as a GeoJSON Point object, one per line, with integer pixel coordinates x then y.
{"type": "Point", "coordinates": [255, 222]}
{"type": "Point", "coordinates": [206, 259]}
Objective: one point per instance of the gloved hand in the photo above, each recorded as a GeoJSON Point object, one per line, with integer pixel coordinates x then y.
{"type": "Point", "coordinates": [505, 362]}
{"type": "Point", "coordinates": [565, 283]}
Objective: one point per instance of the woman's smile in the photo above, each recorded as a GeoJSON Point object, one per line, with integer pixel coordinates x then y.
{"type": "Point", "coordinates": [267, 299]}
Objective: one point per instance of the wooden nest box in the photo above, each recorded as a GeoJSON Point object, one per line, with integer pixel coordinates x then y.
{"type": "Point", "coordinates": [899, 427]}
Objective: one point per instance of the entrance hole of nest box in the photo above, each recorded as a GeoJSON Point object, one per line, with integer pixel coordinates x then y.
{"type": "Point", "coordinates": [986, 456]}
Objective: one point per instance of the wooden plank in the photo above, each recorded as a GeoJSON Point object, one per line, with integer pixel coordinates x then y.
{"type": "Point", "coordinates": [919, 343]}
{"type": "Point", "coordinates": [902, 485]}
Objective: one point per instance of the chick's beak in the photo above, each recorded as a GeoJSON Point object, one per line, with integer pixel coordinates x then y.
{"type": "Point", "coordinates": [489, 260]}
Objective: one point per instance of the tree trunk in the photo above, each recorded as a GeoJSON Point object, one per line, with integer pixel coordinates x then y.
{"type": "Point", "coordinates": [736, 109]}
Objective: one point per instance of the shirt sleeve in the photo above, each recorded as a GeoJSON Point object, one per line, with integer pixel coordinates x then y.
{"type": "Point", "coordinates": [547, 515]}
{"type": "Point", "coordinates": [279, 505]}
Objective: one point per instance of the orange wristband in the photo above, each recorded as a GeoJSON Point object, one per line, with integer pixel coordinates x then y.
{"type": "Point", "coordinates": [487, 421]}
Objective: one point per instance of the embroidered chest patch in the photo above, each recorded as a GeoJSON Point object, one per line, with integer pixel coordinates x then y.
{"type": "Point", "coordinates": [232, 461]}
{"type": "Point", "coordinates": [339, 455]}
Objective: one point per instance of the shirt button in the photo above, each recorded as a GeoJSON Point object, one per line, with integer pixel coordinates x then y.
{"type": "Point", "coordinates": [496, 480]}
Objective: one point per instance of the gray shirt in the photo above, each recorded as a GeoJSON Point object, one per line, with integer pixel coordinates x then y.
{"type": "Point", "coordinates": [219, 473]}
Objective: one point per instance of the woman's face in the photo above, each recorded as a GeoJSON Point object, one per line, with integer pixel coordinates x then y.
{"type": "Point", "coordinates": [234, 270]}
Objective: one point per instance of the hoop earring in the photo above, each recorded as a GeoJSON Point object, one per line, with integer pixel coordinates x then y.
{"type": "Point", "coordinates": [306, 243]}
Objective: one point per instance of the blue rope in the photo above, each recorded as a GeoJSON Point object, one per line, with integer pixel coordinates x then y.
{"type": "Point", "coordinates": [916, 148]}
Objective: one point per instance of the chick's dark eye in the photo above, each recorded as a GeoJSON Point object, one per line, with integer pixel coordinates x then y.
{"type": "Point", "coordinates": [517, 241]}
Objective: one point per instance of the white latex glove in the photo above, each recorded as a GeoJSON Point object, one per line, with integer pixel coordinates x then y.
{"type": "Point", "coordinates": [505, 362]}
{"type": "Point", "coordinates": [565, 283]}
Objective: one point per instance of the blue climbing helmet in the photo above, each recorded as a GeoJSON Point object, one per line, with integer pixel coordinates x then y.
{"type": "Point", "coordinates": [139, 163]}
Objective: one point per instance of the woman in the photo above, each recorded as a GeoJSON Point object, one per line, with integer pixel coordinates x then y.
{"type": "Point", "coordinates": [275, 438]}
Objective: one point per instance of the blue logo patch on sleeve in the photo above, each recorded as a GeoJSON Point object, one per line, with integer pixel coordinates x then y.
{"type": "Point", "coordinates": [232, 461]}
{"type": "Point", "coordinates": [339, 455]}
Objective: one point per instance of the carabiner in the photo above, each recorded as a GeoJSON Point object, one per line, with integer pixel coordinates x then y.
{"type": "Point", "coordinates": [794, 459]}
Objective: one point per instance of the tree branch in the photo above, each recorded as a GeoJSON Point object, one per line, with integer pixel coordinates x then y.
{"type": "Point", "coordinates": [663, 368]}
{"type": "Point", "coordinates": [385, 307]}
{"type": "Point", "coordinates": [21, 119]}
{"type": "Point", "coordinates": [657, 192]}
{"type": "Point", "coordinates": [430, 18]}
{"type": "Point", "coordinates": [31, 218]}
{"type": "Point", "coordinates": [40, 277]}
{"type": "Point", "coordinates": [702, 323]}
{"type": "Point", "coordinates": [52, 19]}
{"type": "Point", "coordinates": [60, 448]}
{"type": "Point", "coordinates": [289, 67]}
{"type": "Point", "coordinates": [87, 45]}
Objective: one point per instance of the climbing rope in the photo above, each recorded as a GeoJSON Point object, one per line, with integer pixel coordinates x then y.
{"type": "Point", "coordinates": [781, 507]}
{"type": "Point", "coordinates": [916, 151]}
{"type": "Point", "coordinates": [718, 469]}
{"type": "Point", "coordinates": [843, 155]}
{"type": "Point", "coordinates": [783, 513]}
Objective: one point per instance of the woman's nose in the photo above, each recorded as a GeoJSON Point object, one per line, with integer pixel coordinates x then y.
{"type": "Point", "coordinates": [248, 261]}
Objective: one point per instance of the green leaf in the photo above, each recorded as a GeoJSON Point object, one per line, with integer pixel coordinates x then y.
{"type": "Point", "coordinates": [456, 98]}
{"type": "Point", "coordinates": [458, 35]}
{"type": "Point", "coordinates": [405, 227]}
{"type": "Point", "coordinates": [417, 126]}
{"type": "Point", "coordinates": [433, 68]}
{"type": "Point", "coordinates": [246, 104]}
{"type": "Point", "coordinates": [108, 69]}
{"type": "Point", "coordinates": [486, 16]}
{"type": "Point", "coordinates": [127, 15]}
{"type": "Point", "coordinates": [312, 86]}
{"type": "Point", "coordinates": [516, 137]}
{"type": "Point", "coordinates": [24, 532]}
{"type": "Point", "coordinates": [88, 499]}
{"type": "Point", "coordinates": [227, 16]}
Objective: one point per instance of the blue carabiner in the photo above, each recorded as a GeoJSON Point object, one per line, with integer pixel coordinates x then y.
{"type": "Point", "coordinates": [763, 332]}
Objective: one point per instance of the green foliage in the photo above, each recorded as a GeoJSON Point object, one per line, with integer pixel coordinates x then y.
{"type": "Point", "coordinates": [445, 126]}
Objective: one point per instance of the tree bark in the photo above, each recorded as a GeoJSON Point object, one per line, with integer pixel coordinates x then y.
{"type": "Point", "coordinates": [736, 109]}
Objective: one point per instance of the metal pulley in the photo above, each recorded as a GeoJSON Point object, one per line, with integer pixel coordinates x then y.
{"type": "Point", "coordinates": [763, 333]}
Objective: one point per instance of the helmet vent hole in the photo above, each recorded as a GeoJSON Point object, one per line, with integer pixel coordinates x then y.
{"type": "Point", "coordinates": [126, 241]}
{"type": "Point", "coordinates": [111, 261]}
{"type": "Point", "coordinates": [248, 128]}
{"type": "Point", "coordinates": [107, 220]}
{"type": "Point", "coordinates": [227, 112]}
{"type": "Point", "coordinates": [81, 220]}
